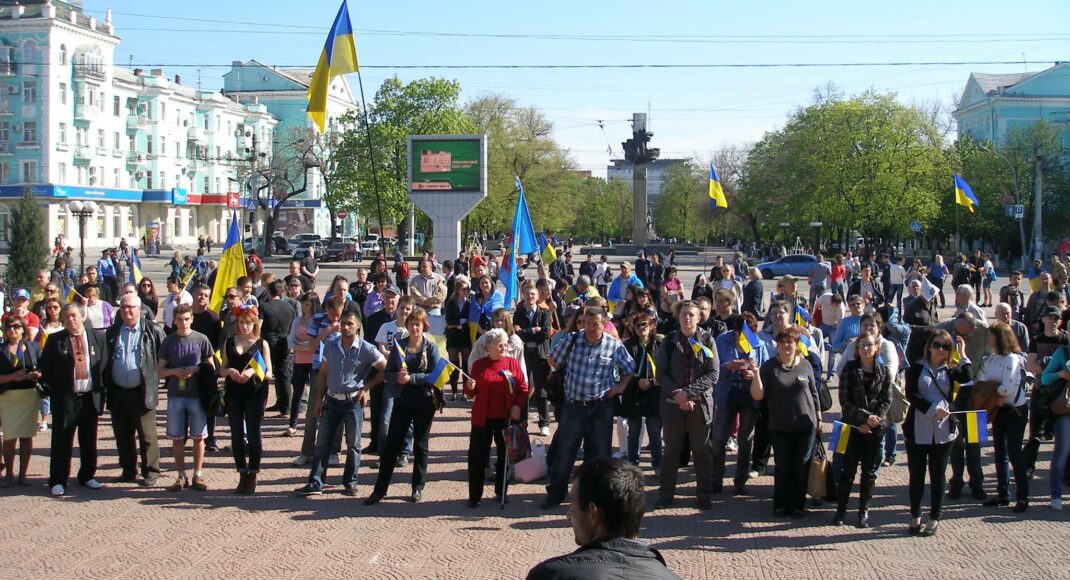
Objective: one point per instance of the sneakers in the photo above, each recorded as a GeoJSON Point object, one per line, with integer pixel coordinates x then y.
{"type": "Point", "coordinates": [198, 484]}
{"type": "Point", "coordinates": [92, 484]}
{"type": "Point", "coordinates": [544, 431]}
{"type": "Point", "coordinates": [42, 426]}
{"type": "Point", "coordinates": [402, 461]}
{"type": "Point", "coordinates": [301, 461]}
{"type": "Point", "coordinates": [310, 489]}
{"type": "Point", "coordinates": [752, 474]}
{"type": "Point", "coordinates": [179, 484]}
{"type": "Point", "coordinates": [732, 445]}
{"type": "Point", "coordinates": [58, 490]}
{"type": "Point", "coordinates": [888, 462]}
{"type": "Point", "coordinates": [290, 432]}
{"type": "Point", "coordinates": [349, 489]}
{"type": "Point", "coordinates": [1057, 504]}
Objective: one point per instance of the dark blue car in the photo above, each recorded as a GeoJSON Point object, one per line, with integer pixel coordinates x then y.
{"type": "Point", "coordinates": [795, 264]}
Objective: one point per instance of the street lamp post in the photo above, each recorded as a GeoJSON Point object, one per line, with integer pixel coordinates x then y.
{"type": "Point", "coordinates": [82, 211]}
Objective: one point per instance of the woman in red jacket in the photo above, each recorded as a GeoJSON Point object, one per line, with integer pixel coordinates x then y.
{"type": "Point", "coordinates": [500, 392]}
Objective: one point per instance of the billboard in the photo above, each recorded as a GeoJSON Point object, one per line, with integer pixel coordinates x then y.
{"type": "Point", "coordinates": [447, 163]}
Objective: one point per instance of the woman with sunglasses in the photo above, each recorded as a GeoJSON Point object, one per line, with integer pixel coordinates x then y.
{"type": "Point", "coordinates": [18, 396]}
{"type": "Point", "coordinates": [246, 396]}
{"type": "Point", "coordinates": [50, 324]}
{"type": "Point", "coordinates": [639, 403]}
{"type": "Point", "coordinates": [929, 428]}
{"type": "Point", "coordinates": [865, 396]}
{"type": "Point", "coordinates": [146, 291]}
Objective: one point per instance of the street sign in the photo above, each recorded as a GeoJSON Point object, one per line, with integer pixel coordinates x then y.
{"type": "Point", "coordinates": [1016, 211]}
{"type": "Point", "coordinates": [341, 214]}
{"type": "Point", "coordinates": [915, 227]}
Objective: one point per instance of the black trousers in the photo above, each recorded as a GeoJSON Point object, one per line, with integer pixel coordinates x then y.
{"type": "Point", "coordinates": [763, 448]}
{"type": "Point", "coordinates": [864, 449]}
{"type": "Point", "coordinates": [478, 454]}
{"type": "Point", "coordinates": [85, 426]}
{"type": "Point", "coordinates": [420, 415]}
{"type": "Point", "coordinates": [130, 418]}
{"type": "Point", "coordinates": [919, 459]}
{"type": "Point", "coordinates": [539, 369]}
{"type": "Point", "coordinates": [246, 414]}
{"type": "Point", "coordinates": [375, 401]}
{"type": "Point", "coordinates": [282, 370]}
{"type": "Point", "coordinates": [1040, 425]}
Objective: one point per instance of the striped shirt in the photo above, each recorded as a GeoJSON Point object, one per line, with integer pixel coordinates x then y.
{"type": "Point", "coordinates": [592, 369]}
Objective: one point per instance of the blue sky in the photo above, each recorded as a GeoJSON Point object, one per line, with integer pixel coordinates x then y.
{"type": "Point", "coordinates": [693, 111]}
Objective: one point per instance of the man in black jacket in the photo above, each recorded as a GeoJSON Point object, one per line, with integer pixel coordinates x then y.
{"type": "Point", "coordinates": [607, 508]}
{"type": "Point", "coordinates": [532, 325]}
{"type": "Point", "coordinates": [133, 390]}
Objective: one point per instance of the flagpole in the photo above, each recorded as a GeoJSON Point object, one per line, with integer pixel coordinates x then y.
{"type": "Point", "coordinates": [371, 160]}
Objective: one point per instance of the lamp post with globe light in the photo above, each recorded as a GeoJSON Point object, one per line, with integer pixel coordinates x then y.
{"type": "Point", "coordinates": [82, 211]}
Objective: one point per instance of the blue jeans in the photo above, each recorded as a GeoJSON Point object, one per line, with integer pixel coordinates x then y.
{"type": "Point", "coordinates": [1008, 430]}
{"type": "Point", "coordinates": [334, 416]}
{"type": "Point", "coordinates": [653, 434]}
{"type": "Point", "coordinates": [386, 410]}
{"type": "Point", "coordinates": [890, 434]}
{"type": "Point", "coordinates": [1061, 427]}
{"type": "Point", "coordinates": [590, 425]}
{"type": "Point", "coordinates": [895, 293]}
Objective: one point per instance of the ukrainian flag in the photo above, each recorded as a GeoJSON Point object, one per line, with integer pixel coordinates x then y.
{"type": "Point", "coordinates": [746, 340]}
{"type": "Point", "coordinates": [841, 433]}
{"type": "Point", "coordinates": [549, 254]}
{"type": "Point", "coordinates": [964, 195]}
{"type": "Point", "coordinates": [717, 198]}
{"type": "Point", "coordinates": [440, 374]}
{"type": "Point", "coordinates": [700, 349]}
{"type": "Point", "coordinates": [135, 269]}
{"type": "Point", "coordinates": [653, 368]}
{"type": "Point", "coordinates": [42, 337]}
{"type": "Point", "coordinates": [401, 355]}
{"type": "Point", "coordinates": [977, 426]}
{"type": "Point", "coordinates": [802, 317]}
{"type": "Point", "coordinates": [509, 378]}
{"type": "Point", "coordinates": [805, 344]}
{"type": "Point", "coordinates": [231, 265]}
{"type": "Point", "coordinates": [71, 294]}
{"type": "Point", "coordinates": [339, 57]}
{"type": "Point", "coordinates": [258, 365]}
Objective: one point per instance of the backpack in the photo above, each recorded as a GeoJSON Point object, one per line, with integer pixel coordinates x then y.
{"type": "Point", "coordinates": [403, 271]}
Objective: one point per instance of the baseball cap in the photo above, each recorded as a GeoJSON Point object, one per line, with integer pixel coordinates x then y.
{"type": "Point", "coordinates": [22, 293]}
{"type": "Point", "coordinates": [393, 289]}
{"type": "Point", "coordinates": [788, 278]}
{"type": "Point", "coordinates": [1051, 311]}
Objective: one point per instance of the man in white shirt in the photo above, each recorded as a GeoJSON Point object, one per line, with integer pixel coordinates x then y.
{"type": "Point", "coordinates": [176, 295]}
{"type": "Point", "coordinates": [897, 276]}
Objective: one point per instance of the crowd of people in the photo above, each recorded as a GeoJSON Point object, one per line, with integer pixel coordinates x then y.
{"type": "Point", "coordinates": [590, 348]}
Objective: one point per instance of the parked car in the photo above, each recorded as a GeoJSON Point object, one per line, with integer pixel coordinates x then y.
{"type": "Point", "coordinates": [795, 264]}
{"type": "Point", "coordinates": [302, 249]}
{"type": "Point", "coordinates": [296, 240]}
{"type": "Point", "coordinates": [281, 244]}
{"type": "Point", "coordinates": [340, 252]}
{"type": "Point", "coordinates": [369, 246]}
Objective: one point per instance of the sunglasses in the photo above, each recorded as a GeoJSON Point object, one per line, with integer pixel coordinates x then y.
{"type": "Point", "coordinates": [146, 285]}
{"type": "Point", "coordinates": [12, 327]}
{"type": "Point", "coordinates": [941, 346]}
{"type": "Point", "coordinates": [230, 296]}
{"type": "Point", "coordinates": [866, 344]}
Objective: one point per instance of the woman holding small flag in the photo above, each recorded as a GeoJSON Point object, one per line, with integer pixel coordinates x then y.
{"type": "Point", "coordinates": [639, 403]}
{"type": "Point", "coordinates": [246, 369]}
{"type": "Point", "coordinates": [458, 338]}
{"type": "Point", "coordinates": [482, 306]}
{"type": "Point", "coordinates": [929, 429]}
{"type": "Point", "coordinates": [410, 372]}
{"type": "Point", "coordinates": [787, 383]}
{"type": "Point", "coordinates": [865, 396]}
{"type": "Point", "coordinates": [500, 390]}
{"type": "Point", "coordinates": [1005, 366]}
{"type": "Point", "coordinates": [18, 396]}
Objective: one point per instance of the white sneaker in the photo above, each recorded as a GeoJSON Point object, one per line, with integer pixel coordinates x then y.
{"type": "Point", "coordinates": [301, 461]}
{"type": "Point", "coordinates": [58, 490]}
{"type": "Point", "coordinates": [1057, 504]}
{"type": "Point", "coordinates": [334, 461]}
{"type": "Point", "coordinates": [92, 484]}
{"type": "Point", "coordinates": [42, 426]}
{"type": "Point", "coordinates": [732, 444]}
{"type": "Point", "coordinates": [752, 474]}
{"type": "Point", "coordinates": [544, 431]}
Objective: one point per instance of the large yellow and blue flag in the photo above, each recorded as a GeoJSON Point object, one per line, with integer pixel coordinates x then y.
{"type": "Point", "coordinates": [521, 242]}
{"type": "Point", "coordinates": [841, 434]}
{"type": "Point", "coordinates": [231, 265]}
{"type": "Point", "coordinates": [339, 57]}
{"type": "Point", "coordinates": [135, 269]}
{"type": "Point", "coordinates": [259, 365]}
{"type": "Point", "coordinates": [549, 254]}
{"type": "Point", "coordinates": [976, 426]}
{"type": "Point", "coordinates": [717, 198]}
{"type": "Point", "coordinates": [964, 195]}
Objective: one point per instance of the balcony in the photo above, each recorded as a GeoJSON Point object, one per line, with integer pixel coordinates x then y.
{"type": "Point", "coordinates": [82, 154]}
{"type": "Point", "coordinates": [84, 111]}
{"type": "Point", "coordinates": [136, 122]}
{"type": "Point", "coordinates": [83, 71]}
{"type": "Point", "coordinates": [195, 134]}
{"type": "Point", "coordinates": [134, 158]}
{"type": "Point", "coordinates": [5, 148]}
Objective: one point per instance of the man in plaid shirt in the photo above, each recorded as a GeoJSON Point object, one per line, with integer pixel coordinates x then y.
{"type": "Point", "coordinates": [597, 369]}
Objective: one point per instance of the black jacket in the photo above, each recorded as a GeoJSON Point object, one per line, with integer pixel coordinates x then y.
{"type": "Point", "coordinates": [704, 371]}
{"type": "Point", "coordinates": [541, 339]}
{"type": "Point", "coordinates": [57, 370]}
{"type": "Point", "coordinates": [859, 402]}
{"type": "Point", "coordinates": [635, 402]}
{"type": "Point", "coordinates": [151, 337]}
{"type": "Point", "coordinates": [605, 559]}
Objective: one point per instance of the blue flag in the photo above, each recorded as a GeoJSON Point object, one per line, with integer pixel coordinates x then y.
{"type": "Point", "coordinates": [521, 241]}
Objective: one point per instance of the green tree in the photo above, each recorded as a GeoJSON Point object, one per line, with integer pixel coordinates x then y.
{"type": "Point", "coordinates": [28, 247]}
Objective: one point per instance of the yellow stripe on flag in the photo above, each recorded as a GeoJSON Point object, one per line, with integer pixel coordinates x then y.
{"type": "Point", "coordinates": [339, 56]}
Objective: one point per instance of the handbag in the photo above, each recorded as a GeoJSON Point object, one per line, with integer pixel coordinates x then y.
{"type": "Point", "coordinates": [533, 468]}
{"type": "Point", "coordinates": [555, 382]}
{"type": "Point", "coordinates": [897, 411]}
{"type": "Point", "coordinates": [817, 479]}
{"type": "Point", "coordinates": [984, 395]}
{"type": "Point", "coordinates": [517, 442]}
{"type": "Point", "coordinates": [1060, 405]}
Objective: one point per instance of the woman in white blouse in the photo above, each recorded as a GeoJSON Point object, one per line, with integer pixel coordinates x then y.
{"type": "Point", "coordinates": [1011, 417]}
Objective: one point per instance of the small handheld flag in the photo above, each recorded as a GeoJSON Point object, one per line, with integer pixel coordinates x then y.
{"type": "Point", "coordinates": [401, 355]}
{"type": "Point", "coordinates": [977, 426]}
{"type": "Point", "coordinates": [71, 294]}
{"type": "Point", "coordinates": [549, 254]}
{"type": "Point", "coordinates": [746, 340]}
{"type": "Point", "coordinates": [700, 349]}
{"type": "Point", "coordinates": [653, 368]}
{"type": "Point", "coordinates": [440, 374]}
{"type": "Point", "coordinates": [805, 344]}
{"type": "Point", "coordinates": [258, 365]}
{"type": "Point", "coordinates": [135, 269]}
{"type": "Point", "coordinates": [717, 198]}
{"type": "Point", "coordinates": [42, 337]}
{"type": "Point", "coordinates": [841, 433]}
{"type": "Point", "coordinates": [218, 358]}
{"type": "Point", "coordinates": [802, 317]}
{"type": "Point", "coordinates": [964, 195]}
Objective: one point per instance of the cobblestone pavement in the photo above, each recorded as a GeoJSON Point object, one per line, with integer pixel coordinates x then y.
{"type": "Point", "coordinates": [124, 531]}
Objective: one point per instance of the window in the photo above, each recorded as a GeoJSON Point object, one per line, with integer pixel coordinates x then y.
{"type": "Point", "coordinates": [117, 223]}
{"type": "Point", "coordinates": [218, 152]}
{"type": "Point", "coordinates": [5, 172]}
{"type": "Point", "coordinates": [118, 177]}
{"type": "Point", "coordinates": [103, 100]}
{"type": "Point", "coordinates": [29, 53]}
{"type": "Point", "coordinates": [178, 149]}
{"type": "Point", "coordinates": [5, 224]}
{"type": "Point", "coordinates": [133, 143]}
{"type": "Point", "coordinates": [148, 145]}
{"type": "Point", "coordinates": [101, 141]}
{"type": "Point", "coordinates": [148, 180]}
{"type": "Point", "coordinates": [206, 121]}
{"type": "Point", "coordinates": [163, 180]}
{"type": "Point", "coordinates": [61, 172]}
{"type": "Point", "coordinates": [116, 105]}
{"type": "Point", "coordinates": [29, 171]}
{"type": "Point", "coordinates": [29, 132]}
{"type": "Point", "coordinates": [5, 132]}
{"type": "Point", "coordinates": [163, 111]}
{"type": "Point", "coordinates": [93, 62]}
{"type": "Point", "coordinates": [7, 60]}
{"type": "Point", "coordinates": [218, 123]}
{"type": "Point", "coordinates": [63, 54]}
{"type": "Point", "coordinates": [102, 218]}
{"type": "Point", "coordinates": [29, 92]}
{"type": "Point", "coordinates": [63, 133]}
{"type": "Point", "coordinates": [63, 93]}
{"type": "Point", "coordinates": [117, 140]}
